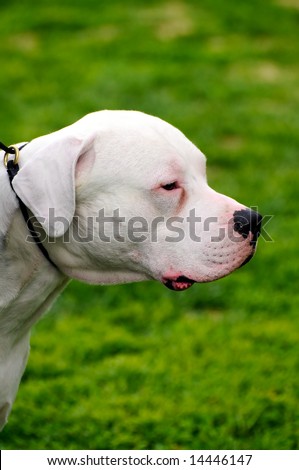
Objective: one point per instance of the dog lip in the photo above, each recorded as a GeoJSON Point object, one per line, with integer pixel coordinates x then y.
{"type": "Point", "coordinates": [247, 260]}
{"type": "Point", "coordinates": [178, 284]}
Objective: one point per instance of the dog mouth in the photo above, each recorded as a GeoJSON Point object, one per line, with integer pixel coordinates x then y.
{"type": "Point", "coordinates": [179, 284]}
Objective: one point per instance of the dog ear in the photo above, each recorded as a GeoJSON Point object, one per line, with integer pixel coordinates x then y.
{"type": "Point", "coordinates": [46, 181]}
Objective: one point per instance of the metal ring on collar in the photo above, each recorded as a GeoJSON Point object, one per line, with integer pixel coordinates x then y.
{"type": "Point", "coordinates": [16, 155]}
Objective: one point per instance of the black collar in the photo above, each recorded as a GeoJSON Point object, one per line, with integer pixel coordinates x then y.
{"type": "Point", "coordinates": [12, 168]}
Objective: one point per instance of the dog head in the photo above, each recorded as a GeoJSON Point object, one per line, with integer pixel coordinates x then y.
{"type": "Point", "coordinates": [122, 196]}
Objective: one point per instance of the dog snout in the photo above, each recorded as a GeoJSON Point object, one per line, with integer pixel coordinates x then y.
{"type": "Point", "coordinates": [248, 221]}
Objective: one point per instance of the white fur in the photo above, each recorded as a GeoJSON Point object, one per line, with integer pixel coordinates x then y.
{"type": "Point", "coordinates": [108, 160]}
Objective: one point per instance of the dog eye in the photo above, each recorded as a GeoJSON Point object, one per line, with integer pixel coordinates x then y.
{"type": "Point", "coordinates": [170, 186]}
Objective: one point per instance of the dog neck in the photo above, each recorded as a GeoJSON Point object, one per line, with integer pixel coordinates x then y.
{"type": "Point", "coordinates": [28, 282]}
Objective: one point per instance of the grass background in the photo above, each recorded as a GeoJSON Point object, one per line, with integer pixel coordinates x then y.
{"type": "Point", "coordinates": [138, 366]}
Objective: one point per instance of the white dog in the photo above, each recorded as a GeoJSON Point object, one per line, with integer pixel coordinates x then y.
{"type": "Point", "coordinates": [119, 196]}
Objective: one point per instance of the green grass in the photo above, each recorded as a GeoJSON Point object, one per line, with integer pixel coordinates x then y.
{"type": "Point", "coordinates": [138, 366]}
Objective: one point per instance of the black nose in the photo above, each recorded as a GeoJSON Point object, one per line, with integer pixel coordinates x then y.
{"type": "Point", "coordinates": [247, 220]}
